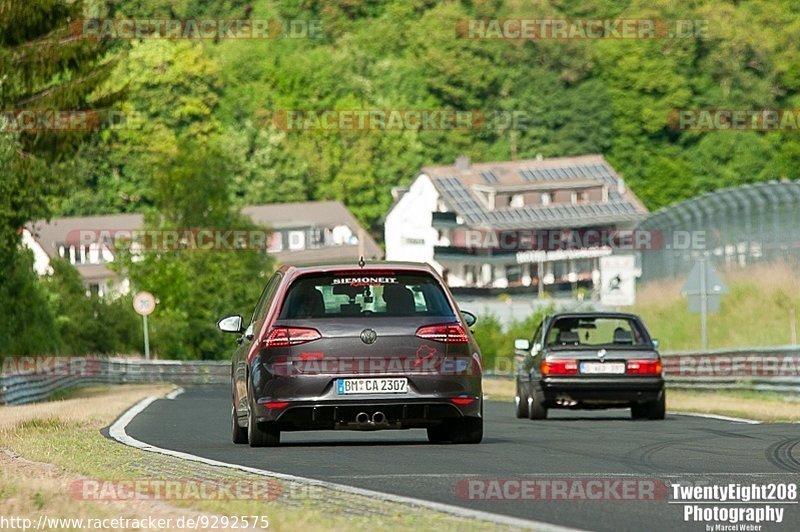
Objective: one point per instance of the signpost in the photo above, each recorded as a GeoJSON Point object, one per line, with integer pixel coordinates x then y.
{"type": "Point", "coordinates": [144, 304]}
{"type": "Point", "coordinates": [703, 288]}
{"type": "Point", "coordinates": [618, 280]}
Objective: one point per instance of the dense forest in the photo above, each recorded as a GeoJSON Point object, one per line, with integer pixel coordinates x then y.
{"type": "Point", "coordinates": [201, 137]}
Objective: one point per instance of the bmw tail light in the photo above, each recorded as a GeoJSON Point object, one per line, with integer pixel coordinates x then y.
{"type": "Point", "coordinates": [559, 367]}
{"type": "Point", "coordinates": [287, 336]}
{"type": "Point", "coordinates": [450, 333]}
{"type": "Point", "coordinates": [644, 367]}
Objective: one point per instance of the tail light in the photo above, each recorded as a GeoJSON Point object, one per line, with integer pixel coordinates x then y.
{"type": "Point", "coordinates": [451, 333]}
{"type": "Point", "coordinates": [286, 336]}
{"type": "Point", "coordinates": [644, 367]}
{"type": "Point", "coordinates": [462, 401]}
{"type": "Point", "coordinates": [559, 367]}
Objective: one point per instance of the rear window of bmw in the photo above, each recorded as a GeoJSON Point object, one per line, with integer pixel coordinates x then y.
{"type": "Point", "coordinates": [592, 332]}
{"type": "Point", "coordinates": [364, 295]}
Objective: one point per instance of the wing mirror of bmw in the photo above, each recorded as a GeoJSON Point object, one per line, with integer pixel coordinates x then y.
{"type": "Point", "coordinates": [656, 343]}
{"type": "Point", "coordinates": [521, 344]}
{"type": "Point", "coordinates": [469, 318]}
{"type": "Point", "coordinates": [231, 324]}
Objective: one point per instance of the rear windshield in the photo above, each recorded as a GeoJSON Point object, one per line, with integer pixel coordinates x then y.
{"type": "Point", "coordinates": [595, 332]}
{"type": "Point", "coordinates": [365, 294]}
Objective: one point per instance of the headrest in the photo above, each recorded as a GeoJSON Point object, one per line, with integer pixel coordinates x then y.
{"type": "Point", "coordinates": [568, 337]}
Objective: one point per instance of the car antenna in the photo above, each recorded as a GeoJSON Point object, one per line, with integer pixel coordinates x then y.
{"type": "Point", "coordinates": [361, 262]}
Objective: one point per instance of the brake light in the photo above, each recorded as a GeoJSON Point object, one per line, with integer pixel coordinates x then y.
{"type": "Point", "coordinates": [286, 336]}
{"type": "Point", "coordinates": [462, 401]}
{"type": "Point", "coordinates": [559, 367]}
{"type": "Point", "coordinates": [275, 405]}
{"type": "Point", "coordinates": [451, 333]}
{"type": "Point", "coordinates": [644, 367]}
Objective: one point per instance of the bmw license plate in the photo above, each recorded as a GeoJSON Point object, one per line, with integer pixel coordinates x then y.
{"type": "Point", "coordinates": [371, 386]}
{"type": "Point", "coordinates": [603, 368]}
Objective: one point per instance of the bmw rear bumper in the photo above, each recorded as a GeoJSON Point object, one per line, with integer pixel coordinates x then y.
{"type": "Point", "coordinates": [605, 390]}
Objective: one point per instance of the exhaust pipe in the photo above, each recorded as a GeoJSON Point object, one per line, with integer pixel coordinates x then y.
{"type": "Point", "coordinates": [362, 418]}
{"type": "Point", "coordinates": [379, 418]}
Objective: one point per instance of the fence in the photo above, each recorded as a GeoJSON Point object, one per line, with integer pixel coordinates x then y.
{"type": "Point", "coordinates": [739, 226]}
{"type": "Point", "coordinates": [774, 369]}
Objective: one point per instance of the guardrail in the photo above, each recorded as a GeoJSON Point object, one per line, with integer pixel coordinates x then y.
{"type": "Point", "coordinates": [773, 369]}
{"type": "Point", "coordinates": [765, 369]}
{"type": "Point", "coordinates": [36, 378]}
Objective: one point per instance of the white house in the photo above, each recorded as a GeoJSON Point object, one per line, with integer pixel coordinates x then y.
{"type": "Point", "coordinates": [519, 225]}
{"type": "Point", "coordinates": [300, 233]}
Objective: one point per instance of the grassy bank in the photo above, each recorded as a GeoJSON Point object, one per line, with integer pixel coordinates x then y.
{"type": "Point", "coordinates": [756, 312]}
{"type": "Point", "coordinates": [45, 447]}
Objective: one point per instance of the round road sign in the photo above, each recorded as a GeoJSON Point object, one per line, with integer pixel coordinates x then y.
{"type": "Point", "coordinates": [144, 303]}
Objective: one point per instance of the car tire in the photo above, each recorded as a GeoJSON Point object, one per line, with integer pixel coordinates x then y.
{"type": "Point", "coordinates": [239, 434]}
{"type": "Point", "coordinates": [260, 434]}
{"type": "Point", "coordinates": [467, 430]}
{"type": "Point", "coordinates": [652, 410]}
{"type": "Point", "coordinates": [439, 434]}
{"type": "Point", "coordinates": [536, 406]}
{"type": "Point", "coordinates": [520, 403]}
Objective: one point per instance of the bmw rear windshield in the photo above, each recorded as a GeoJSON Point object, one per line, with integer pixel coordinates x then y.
{"type": "Point", "coordinates": [592, 332]}
{"type": "Point", "coordinates": [365, 295]}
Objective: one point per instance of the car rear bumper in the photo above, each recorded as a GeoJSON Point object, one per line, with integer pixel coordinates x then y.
{"type": "Point", "coordinates": [343, 414]}
{"type": "Point", "coordinates": [608, 390]}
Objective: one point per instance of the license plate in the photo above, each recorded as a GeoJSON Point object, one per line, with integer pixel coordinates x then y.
{"type": "Point", "coordinates": [603, 368]}
{"type": "Point", "coordinates": [371, 386]}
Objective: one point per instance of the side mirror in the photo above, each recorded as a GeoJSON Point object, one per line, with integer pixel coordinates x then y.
{"type": "Point", "coordinates": [521, 344]}
{"type": "Point", "coordinates": [656, 343]}
{"type": "Point", "coordinates": [231, 324]}
{"type": "Point", "coordinates": [469, 318]}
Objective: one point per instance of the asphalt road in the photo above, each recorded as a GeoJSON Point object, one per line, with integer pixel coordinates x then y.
{"type": "Point", "coordinates": [603, 446]}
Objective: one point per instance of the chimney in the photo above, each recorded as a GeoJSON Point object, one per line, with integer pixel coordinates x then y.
{"type": "Point", "coordinates": [462, 163]}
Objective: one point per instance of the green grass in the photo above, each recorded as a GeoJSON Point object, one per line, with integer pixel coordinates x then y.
{"type": "Point", "coordinates": [755, 312]}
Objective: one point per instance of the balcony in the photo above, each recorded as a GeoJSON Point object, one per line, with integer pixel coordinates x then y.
{"type": "Point", "coordinates": [443, 220]}
{"type": "Point", "coordinates": [474, 255]}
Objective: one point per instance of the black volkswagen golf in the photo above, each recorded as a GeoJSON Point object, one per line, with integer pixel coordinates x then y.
{"type": "Point", "coordinates": [367, 347]}
{"type": "Point", "coordinates": [589, 360]}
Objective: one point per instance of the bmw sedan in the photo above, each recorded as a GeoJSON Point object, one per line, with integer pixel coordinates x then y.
{"type": "Point", "coordinates": [589, 360]}
{"type": "Point", "coordinates": [355, 347]}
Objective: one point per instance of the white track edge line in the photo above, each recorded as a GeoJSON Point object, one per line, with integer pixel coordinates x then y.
{"type": "Point", "coordinates": [718, 417]}
{"type": "Point", "coordinates": [117, 432]}
{"type": "Point", "coordinates": [175, 393]}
